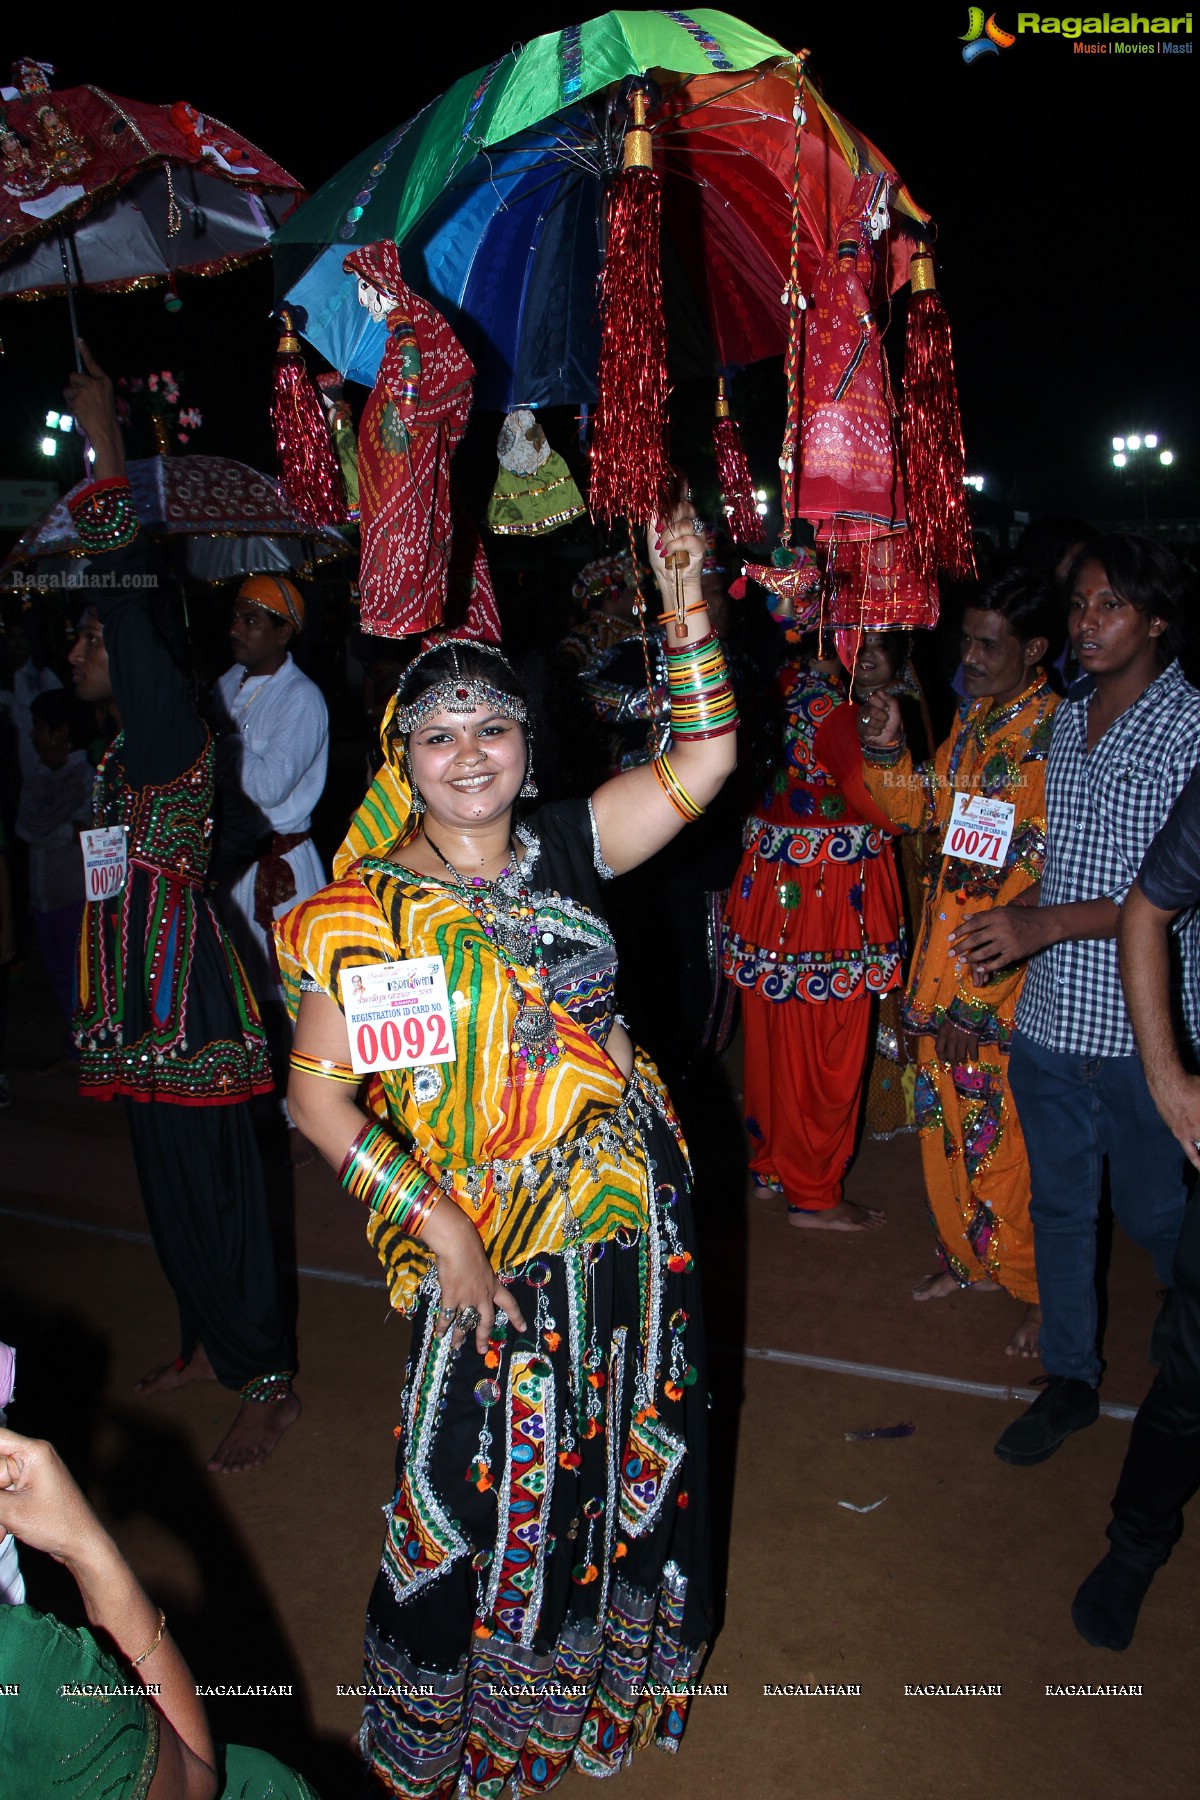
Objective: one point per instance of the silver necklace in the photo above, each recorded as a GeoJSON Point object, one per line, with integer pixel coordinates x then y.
{"type": "Point", "coordinates": [510, 926]}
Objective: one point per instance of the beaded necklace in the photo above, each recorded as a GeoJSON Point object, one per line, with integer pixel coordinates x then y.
{"type": "Point", "coordinates": [512, 932]}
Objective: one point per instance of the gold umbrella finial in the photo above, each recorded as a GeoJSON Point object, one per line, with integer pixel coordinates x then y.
{"type": "Point", "coordinates": [639, 153]}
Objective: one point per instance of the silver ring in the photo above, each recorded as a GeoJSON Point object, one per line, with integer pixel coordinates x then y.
{"type": "Point", "coordinates": [448, 1312]}
{"type": "Point", "coordinates": [698, 527]}
{"type": "Point", "coordinates": [468, 1318]}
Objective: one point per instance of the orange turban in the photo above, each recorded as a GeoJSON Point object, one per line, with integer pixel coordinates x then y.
{"type": "Point", "coordinates": [275, 595]}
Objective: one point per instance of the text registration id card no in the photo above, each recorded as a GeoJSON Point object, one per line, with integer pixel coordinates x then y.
{"type": "Point", "coordinates": [397, 1014]}
{"type": "Point", "coordinates": [980, 829]}
{"type": "Point", "coordinates": [105, 861]}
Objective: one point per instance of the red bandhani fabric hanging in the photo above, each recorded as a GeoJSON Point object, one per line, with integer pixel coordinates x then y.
{"type": "Point", "coordinates": [850, 481]}
{"type": "Point", "coordinates": [876, 587]}
{"type": "Point", "coordinates": [851, 484]}
{"type": "Point", "coordinates": [422, 564]}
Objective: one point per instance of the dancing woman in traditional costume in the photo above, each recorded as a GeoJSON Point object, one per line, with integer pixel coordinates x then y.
{"type": "Point", "coordinates": [166, 1020]}
{"type": "Point", "coordinates": [544, 1589]}
{"type": "Point", "coordinates": [813, 934]}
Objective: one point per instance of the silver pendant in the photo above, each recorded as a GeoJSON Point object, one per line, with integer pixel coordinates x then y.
{"type": "Point", "coordinates": [514, 940]}
{"type": "Point", "coordinates": [534, 1025]}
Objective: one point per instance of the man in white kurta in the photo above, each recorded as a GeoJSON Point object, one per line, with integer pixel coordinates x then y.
{"type": "Point", "coordinates": [274, 751]}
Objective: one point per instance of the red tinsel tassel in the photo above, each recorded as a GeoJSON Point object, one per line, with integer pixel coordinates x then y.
{"type": "Point", "coordinates": [309, 477]}
{"type": "Point", "coordinates": [631, 473]}
{"type": "Point", "coordinates": [934, 459]}
{"type": "Point", "coordinates": [733, 474]}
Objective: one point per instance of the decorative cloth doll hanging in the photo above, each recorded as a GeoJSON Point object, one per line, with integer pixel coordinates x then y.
{"type": "Point", "coordinates": [534, 492]}
{"type": "Point", "coordinates": [422, 561]}
{"type": "Point", "coordinates": [851, 485]}
{"type": "Point", "coordinates": [850, 481]}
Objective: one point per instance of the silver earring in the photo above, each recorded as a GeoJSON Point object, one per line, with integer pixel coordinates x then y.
{"type": "Point", "coordinates": [418, 799]}
{"type": "Point", "coordinates": [529, 786]}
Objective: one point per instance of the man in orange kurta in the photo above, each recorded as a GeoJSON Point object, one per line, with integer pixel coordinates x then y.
{"type": "Point", "coordinates": [972, 1150]}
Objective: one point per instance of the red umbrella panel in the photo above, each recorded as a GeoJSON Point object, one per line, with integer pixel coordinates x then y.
{"type": "Point", "coordinates": [725, 145]}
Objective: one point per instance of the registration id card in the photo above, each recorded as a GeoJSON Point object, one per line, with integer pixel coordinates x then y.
{"type": "Point", "coordinates": [105, 861]}
{"type": "Point", "coordinates": [397, 1014]}
{"type": "Point", "coordinates": [980, 829]}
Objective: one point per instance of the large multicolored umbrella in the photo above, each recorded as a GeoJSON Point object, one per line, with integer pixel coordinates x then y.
{"type": "Point", "coordinates": [102, 192]}
{"type": "Point", "coordinates": [496, 195]}
{"type": "Point", "coordinates": [232, 519]}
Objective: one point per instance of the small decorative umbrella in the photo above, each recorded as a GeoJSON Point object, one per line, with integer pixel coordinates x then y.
{"type": "Point", "coordinates": [232, 519]}
{"type": "Point", "coordinates": [102, 192]}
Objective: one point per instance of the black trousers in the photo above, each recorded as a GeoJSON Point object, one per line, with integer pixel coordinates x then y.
{"type": "Point", "coordinates": [1162, 1464]}
{"type": "Point", "coordinates": [202, 1187]}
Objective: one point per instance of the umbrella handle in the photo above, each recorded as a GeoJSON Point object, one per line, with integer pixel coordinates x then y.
{"type": "Point", "coordinates": [62, 251]}
{"type": "Point", "coordinates": [677, 561]}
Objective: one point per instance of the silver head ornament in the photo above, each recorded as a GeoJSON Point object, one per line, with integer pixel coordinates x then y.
{"type": "Point", "coordinates": [459, 695]}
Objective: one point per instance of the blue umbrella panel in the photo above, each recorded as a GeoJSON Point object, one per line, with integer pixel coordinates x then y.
{"type": "Point", "coordinates": [511, 254]}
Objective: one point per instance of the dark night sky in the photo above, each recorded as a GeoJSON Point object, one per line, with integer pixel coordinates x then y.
{"type": "Point", "coordinates": [1059, 183]}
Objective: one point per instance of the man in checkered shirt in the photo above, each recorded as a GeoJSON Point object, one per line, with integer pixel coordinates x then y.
{"type": "Point", "coordinates": [1123, 745]}
{"type": "Point", "coordinates": [1162, 1465]}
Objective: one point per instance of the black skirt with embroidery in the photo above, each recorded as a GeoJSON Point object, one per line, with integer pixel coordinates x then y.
{"type": "Point", "coordinates": [544, 1596]}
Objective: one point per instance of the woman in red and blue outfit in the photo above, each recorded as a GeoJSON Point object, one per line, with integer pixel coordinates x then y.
{"type": "Point", "coordinates": [813, 931]}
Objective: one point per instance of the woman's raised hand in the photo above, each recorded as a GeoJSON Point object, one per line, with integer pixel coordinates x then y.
{"type": "Point", "coordinates": [680, 534]}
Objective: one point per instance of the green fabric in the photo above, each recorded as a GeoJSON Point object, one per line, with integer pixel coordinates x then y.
{"type": "Point", "coordinates": [522, 89]}
{"type": "Point", "coordinates": [71, 1744]}
{"type": "Point", "coordinates": [253, 1775]}
{"type": "Point", "coordinates": [611, 47]}
{"type": "Point", "coordinates": [532, 505]}
{"type": "Point", "coordinates": [94, 1746]}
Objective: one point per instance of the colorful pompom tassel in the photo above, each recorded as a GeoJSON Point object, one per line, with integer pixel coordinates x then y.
{"type": "Point", "coordinates": [733, 474]}
{"type": "Point", "coordinates": [309, 477]}
{"type": "Point", "coordinates": [793, 582]}
{"type": "Point", "coordinates": [931, 434]}
{"type": "Point", "coordinates": [631, 472]}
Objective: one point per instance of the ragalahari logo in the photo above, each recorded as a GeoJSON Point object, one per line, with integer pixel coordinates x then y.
{"type": "Point", "coordinates": [983, 37]}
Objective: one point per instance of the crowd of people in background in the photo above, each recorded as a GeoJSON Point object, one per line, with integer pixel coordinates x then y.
{"type": "Point", "coordinates": [964, 899]}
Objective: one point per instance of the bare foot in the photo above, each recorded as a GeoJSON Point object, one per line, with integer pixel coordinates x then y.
{"type": "Point", "coordinates": [300, 1151]}
{"type": "Point", "coordinates": [253, 1435]}
{"type": "Point", "coordinates": [847, 1215]}
{"type": "Point", "coordinates": [943, 1284]}
{"type": "Point", "coordinates": [1024, 1340]}
{"type": "Point", "coordinates": [177, 1374]}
